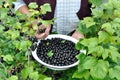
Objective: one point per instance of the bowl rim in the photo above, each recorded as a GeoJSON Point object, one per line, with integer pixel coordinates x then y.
{"type": "Point", "coordinates": [34, 54]}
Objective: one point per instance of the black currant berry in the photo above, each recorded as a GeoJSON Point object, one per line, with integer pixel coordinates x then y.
{"type": "Point", "coordinates": [41, 30]}
{"type": "Point", "coordinates": [33, 46]}
{"type": "Point", "coordinates": [38, 24]}
{"type": "Point", "coordinates": [13, 71]}
{"type": "Point", "coordinates": [13, 6]}
{"type": "Point", "coordinates": [41, 16]}
{"type": "Point", "coordinates": [21, 21]}
{"type": "Point", "coordinates": [1, 59]}
{"type": "Point", "coordinates": [3, 2]}
{"type": "Point", "coordinates": [35, 17]}
{"type": "Point", "coordinates": [21, 33]}
{"type": "Point", "coordinates": [6, 29]}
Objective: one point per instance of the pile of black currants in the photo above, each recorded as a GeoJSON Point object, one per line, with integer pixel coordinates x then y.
{"type": "Point", "coordinates": [57, 52]}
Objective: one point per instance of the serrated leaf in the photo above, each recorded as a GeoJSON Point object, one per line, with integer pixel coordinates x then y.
{"type": "Point", "coordinates": [114, 54]}
{"type": "Point", "coordinates": [89, 62]}
{"type": "Point", "coordinates": [46, 22]}
{"type": "Point", "coordinates": [13, 78]}
{"type": "Point", "coordinates": [105, 54]}
{"type": "Point", "coordinates": [103, 37]}
{"type": "Point", "coordinates": [108, 5]}
{"type": "Point", "coordinates": [115, 72]}
{"type": "Point", "coordinates": [50, 53]}
{"type": "Point", "coordinates": [96, 50]}
{"type": "Point", "coordinates": [2, 73]}
{"type": "Point", "coordinates": [8, 58]}
{"type": "Point", "coordinates": [48, 78]}
{"type": "Point", "coordinates": [45, 8]}
{"type": "Point", "coordinates": [85, 74]}
{"type": "Point", "coordinates": [79, 46]}
{"type": "Point", "coordinates": [13, 34]}
{"type": "Point", "coordinates": [34, 75]}
{"type": "Point", "coordinates": [100, 70]}
{"type": "Point", "coordinates": [96, 2]}
{"type": "Point", "coordinates": [26, 71]}
{"type": "Point", "coordinates": [81, 56]}
{"type": "Point", "coordinates": [88, 21]}
{"type": "Point", "coordinates": [97, 12]}
{"type": "Point", "coordinates": [107, 27]}
{"type": "Point", "coordinates": [89, 42]}
{"type": "Point", "coordinates": [33, 5]}
{"type": "Point", "coordinates": [116, 20]}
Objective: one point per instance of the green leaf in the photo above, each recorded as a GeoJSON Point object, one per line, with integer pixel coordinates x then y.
{"type": "Point", "coordinates": [115, 72]}
{"type": "Point", "coordinates": [116, 20]}
{"type": "Point", "coordinates": [46, 22]}
{"type": "Point", "coordinates": [116, 13]}
{"type": "Point", "coordinates": [88, 21]}
{"type": "Point", "coordinates": [114, 54]}
{"type": "Point", "coordinates": [24, 45]}
{"type": "Point", "coordinates": [26, 71]}
{"type": "Point", "coordinates": [97, 12]}
{"type": "Point", "coordinates": [89, 62]}
{"type": "Point", "coordinates": [108, 28]}
{"type": "Point", "coordinates": [8, 58]}
{"type": "Point", "coordinates": [103, 37]}
{"type": "Point", "coordinates": [85, 74]}
{"type": "Point", "coordinates": [105, 54]}
{"type": "Point", "coordinates": [50, 53]}
{"type": "Point", "coordinates": [48, 78]}
{"type": "Point", "coordinates": [100, 70]}
{"type": "Point", "coordinates": [79, 46]}
{"type": "Point", "coordinates": [33, 5]}
{"type": "Point", "coordinates": [96, 2]}
{"type": "Point", "coordinates": [13, 34]}
{"type": "Point", "coordinates": [13, 78]}
{"type": "Point", "coordinates": [81, 56]}
{"type": "Point", "coordinates": [2, 73]}
{"type": "Point", "coordinates": [90, 42]}
{"type": "Point", "coordinates": [96, 50]}
{"type": "Point", "coordinates": [108, 6]}
{"type": "Point", "coordinates": [45, 8]}
{"type": "Point", "coordinates": [42, 77]}
{"type": "Point", "coordinates": [34, 75]}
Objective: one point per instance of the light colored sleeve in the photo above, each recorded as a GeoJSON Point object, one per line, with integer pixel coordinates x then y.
{"type": "Point", "coordinates": [18, 4]}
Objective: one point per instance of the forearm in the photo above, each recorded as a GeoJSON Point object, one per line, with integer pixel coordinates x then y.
{"type": "Point", "coordinates": [24, 9]}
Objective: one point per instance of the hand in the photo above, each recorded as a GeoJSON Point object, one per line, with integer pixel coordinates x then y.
{"type": "Point", "coordinates": [44, 34]}
{"type": "Point", "coordinates": [77, 35]}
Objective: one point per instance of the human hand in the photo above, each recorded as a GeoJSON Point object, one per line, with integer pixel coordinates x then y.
{"type": "Point", "coordinates": [43, 31]}
{"type": "Point", "coordinates": [77, 35]}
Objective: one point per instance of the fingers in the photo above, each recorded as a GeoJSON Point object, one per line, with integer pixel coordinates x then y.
{"type": "Point", "coordinates": [40, 36]}
{"type": "Point", "coordinates": [77, 35]}
{"type": "Point", "coordinates": [43, 34]}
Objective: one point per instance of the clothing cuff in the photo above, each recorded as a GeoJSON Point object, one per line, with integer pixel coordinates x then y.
{"type": "Point", "coordinates": [18, 5]}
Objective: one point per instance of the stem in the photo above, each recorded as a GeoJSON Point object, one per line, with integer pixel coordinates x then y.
{"type": "Point", "coordinates": [4, 69]}
{"type": "Point", "coordinates": [29, 52]}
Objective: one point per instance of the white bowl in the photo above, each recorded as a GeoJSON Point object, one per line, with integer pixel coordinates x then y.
{"type": "Point", "coordinates": [52, 66]}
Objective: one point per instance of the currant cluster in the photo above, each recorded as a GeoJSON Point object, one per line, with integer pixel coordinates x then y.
{"type": "Point", "coordinates": [10, 13]}
{"type": "Point", "coordinates": [41, 16]}
{"type": "Point", "coordinates": [18, 69]}
{"type": "Point", "coordinates": [32, 39]}
{"type": "Point", "coordinates": [8, 6]}
{"type": "Point", "coordinates": [64, 51]}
